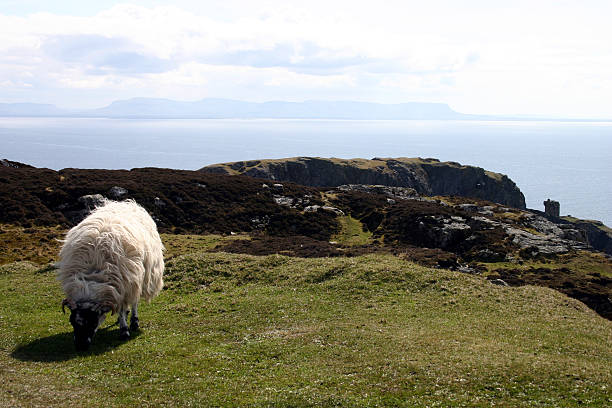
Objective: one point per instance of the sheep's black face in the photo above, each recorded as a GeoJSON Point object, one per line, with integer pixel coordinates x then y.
{"type": "Point", "coordinates": [85, 323]}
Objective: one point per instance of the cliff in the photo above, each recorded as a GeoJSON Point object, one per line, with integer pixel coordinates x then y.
{"type": "Point", "coordinates": [426, 176]}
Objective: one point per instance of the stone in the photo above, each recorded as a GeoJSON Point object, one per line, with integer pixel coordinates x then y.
{"type": "Point", "coordinates": [312, 208]}
{"type": "Point", "coordinates": [315, 208]}
{"type": "Point", "coordinates": [282, 200]}
{"type": "Point", "coordinates": [499, 282]}
{"type": "Point", "coordinates": [468, 207]}
{"type": "Point", "coordinates": [335, 210]}
{"type": "Point", "coordinates": [91, 201]}
{"type": "Point", "coordinates": [393, 192]}
{"type": "Point", "coordinates": [159, 203]}
{"type": "Point", "coordinates": [468, 269]}
{"type": "Point", "coordinates": [117, 193]}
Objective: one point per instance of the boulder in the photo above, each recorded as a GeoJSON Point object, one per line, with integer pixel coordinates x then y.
{"type": "Point", "coordinates": [91, 201]}
{"type": "Point", "coordinates": [117, 193]}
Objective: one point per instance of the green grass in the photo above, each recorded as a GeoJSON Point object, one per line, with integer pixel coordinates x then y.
{"type": "Point", "coordinates": [581, 262]}
{"type": "Point", "coordinates": [187, 243]}
{"type": "Point", "coordinates": [352, 232]}
{"type": "Point", "coordinates": [239, 330]}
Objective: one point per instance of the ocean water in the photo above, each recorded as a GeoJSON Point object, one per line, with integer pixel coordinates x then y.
{"type": "Point", "coordinates": [570, 162]}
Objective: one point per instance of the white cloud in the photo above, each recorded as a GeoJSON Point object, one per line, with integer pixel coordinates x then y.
{"type": "Point", "coordinates": [549, 57]}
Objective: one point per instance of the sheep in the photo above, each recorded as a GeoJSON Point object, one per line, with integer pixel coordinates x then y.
{"type": "Point", "coordinates": [107, 263]}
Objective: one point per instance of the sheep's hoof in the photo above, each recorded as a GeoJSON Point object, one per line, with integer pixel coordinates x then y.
{"type": "Point", "coordinates": [124, 334]}
{"type": "Point", "coordinates": [134, 326]}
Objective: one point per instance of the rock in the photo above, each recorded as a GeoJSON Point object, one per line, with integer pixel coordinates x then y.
{"type": "Point", "coordinates": [486, 210]}
{"type": "Point", "coordinates": [14, 164]}
{"type": "Point", "coordinates": [200, 185]}
{"type": "Point", "coordinates": [486, 255]}
{"type": "Point", "coordinates": [315, 208]}
{"type": "Point", "coordinates": [472, 208]}
{"type": "Point", "coordinates": [117, 193]}
{"type": "Point", "coordinates": [282, 200]}
{"type": "Point", "coordinates": [278, 187]}
{"type": "Point", "coordinates": [159, 203]}
{"type": "Point", "coordinates": [86, 204]}
{"type": "Point", "coordinates": [312, 208]}
{"type": "Point", "coordinates": [335, 210]}
{"type": "Point", "coordinates": [91, 201]}
{"type": "Point", "coordinates": [394, 192]}
{"type": "Point", "coordinates": [552, 208]}
{"type": "Point", "coordinates": [597, 234]}
{"type": "Point", "coordinates": [499, 282]}
{"type": "Point", "coordinates": [261, 223]}
{"type": "Point", "coordinates": [468, 269]}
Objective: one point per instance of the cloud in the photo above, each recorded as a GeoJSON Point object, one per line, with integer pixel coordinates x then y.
{"type": "Point", "coordinates": [302, 57]}
{"type": "Point", "coordinates": [471, 54]}
{"type": "Point", "coordinates": [99, 55]}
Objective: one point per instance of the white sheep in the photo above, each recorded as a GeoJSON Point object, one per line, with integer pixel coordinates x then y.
{"type": "Point", "coordinates": [107, 263]}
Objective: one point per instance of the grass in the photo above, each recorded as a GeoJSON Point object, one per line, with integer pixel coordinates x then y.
{"type": "Point", "coordinates": [352, 232]}
{"type": "Point", "coordinates": [581, 262]}
{"type": "Point", "coordinates": [187, 243]}
{"type": "Point", "coordinates": [359, 163]}
{"type": "Point", "coordinates": [39, 245]}
{"type": "Point", "coordinates": [239, 330]}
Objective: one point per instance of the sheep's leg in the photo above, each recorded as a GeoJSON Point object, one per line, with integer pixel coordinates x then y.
{"type": "Point", "coordinates": [124, 333]}
{"type": "Point", "coordinates": [134, 318]}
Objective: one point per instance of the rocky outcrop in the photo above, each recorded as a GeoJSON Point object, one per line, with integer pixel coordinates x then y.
{"type": "Point", "coordinates": [13, 164]}
{"type": "Point", "coordinates": [597, 234]}
{"type": "Point", "coordinates": [425, 176]}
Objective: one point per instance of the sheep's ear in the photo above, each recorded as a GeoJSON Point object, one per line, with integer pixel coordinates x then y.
{"type": "Point", "coordinates": [67, 302]}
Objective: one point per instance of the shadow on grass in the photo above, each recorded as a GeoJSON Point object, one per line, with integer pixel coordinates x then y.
{"type": "Point", "coordinates": [60, 347]}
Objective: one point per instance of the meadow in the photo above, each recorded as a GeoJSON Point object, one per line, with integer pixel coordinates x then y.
{"type": "Point", "coordinates": [244, 330]}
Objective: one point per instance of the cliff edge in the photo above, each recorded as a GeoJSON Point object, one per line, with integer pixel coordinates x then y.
{"type": "Point", "coordinates": [426, 176]}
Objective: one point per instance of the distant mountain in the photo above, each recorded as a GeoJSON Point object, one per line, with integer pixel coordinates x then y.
{"type": "Point", "coordinates": [227, 108]}
{"type": "Point", "coordinates": [31, 109]}
{"type": "Point", "coordinates": [214, 108]}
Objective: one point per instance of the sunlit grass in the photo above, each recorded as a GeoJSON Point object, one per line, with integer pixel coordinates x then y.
{"type": "Point", "coordinates": [239, 330]}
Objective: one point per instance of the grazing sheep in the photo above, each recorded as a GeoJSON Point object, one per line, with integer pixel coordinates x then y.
{"type": "Point", "coordinates": [108, 262]}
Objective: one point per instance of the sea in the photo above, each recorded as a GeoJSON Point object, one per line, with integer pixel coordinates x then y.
{"type": "Point", "coordinates": [570, 162]}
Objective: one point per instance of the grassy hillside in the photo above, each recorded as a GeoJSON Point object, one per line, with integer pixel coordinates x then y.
{"type": "Point", "coordinates": [241, 330]}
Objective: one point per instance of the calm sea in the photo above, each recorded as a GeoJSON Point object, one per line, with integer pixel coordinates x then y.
{"type": "Point", "coordinates": [566, 161]}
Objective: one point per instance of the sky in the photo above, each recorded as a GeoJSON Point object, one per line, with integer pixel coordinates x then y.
{"type": "Point", "coordinates": [541, 57]}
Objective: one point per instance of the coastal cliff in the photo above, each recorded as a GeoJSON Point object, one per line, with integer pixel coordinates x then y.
{"type": "Point", "coordinates": [426, 176]}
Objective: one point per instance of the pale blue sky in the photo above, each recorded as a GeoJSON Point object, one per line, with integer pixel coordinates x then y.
{"type": "Point", "coordinates": [549, 57]}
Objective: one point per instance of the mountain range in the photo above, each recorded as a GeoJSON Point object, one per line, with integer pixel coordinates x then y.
{"type": "Point", "coordinates": [226, 108]}
{"type": "Point", "coordinates": [216, 108]}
